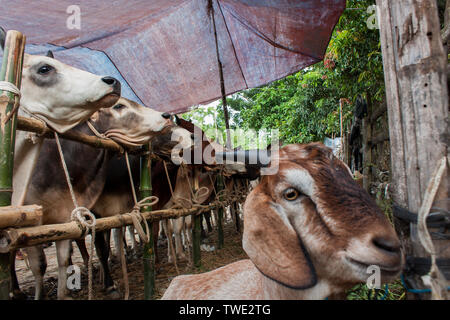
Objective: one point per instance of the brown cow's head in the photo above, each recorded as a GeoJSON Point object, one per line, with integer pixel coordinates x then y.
{"type": "Point", "coordinates": [130, 123]}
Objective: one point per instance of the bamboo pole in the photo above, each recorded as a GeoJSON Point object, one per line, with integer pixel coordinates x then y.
{"type": "Point", "coordinates": [196, 230]}
{"type": "Point", "coordinates": [36, 126]}
{"type": "Point", "coordinates": [11, 71]}
{"type": "Point", "coordinates": [221, 77]}
{"type": "Point", "coordinates": [20, 216]}
{"type": "Point", "coordinates": [11, 239]}
{"type": "Point", "coordinates": [220, 240]}
{"type": "Point", "coordinates": [149, 250]}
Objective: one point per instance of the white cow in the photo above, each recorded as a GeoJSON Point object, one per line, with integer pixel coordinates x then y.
{"type": "Point", "coordinates": [61, 96]}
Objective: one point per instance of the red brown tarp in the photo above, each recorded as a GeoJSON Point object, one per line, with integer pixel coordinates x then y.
{"type": "Point", "coordinates": [166, 49]}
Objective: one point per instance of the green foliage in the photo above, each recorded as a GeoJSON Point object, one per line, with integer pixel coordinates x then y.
{"type": "Point", "coordinates": [395, 291]}
{"type": "Point", "coordinates": [305, 106]}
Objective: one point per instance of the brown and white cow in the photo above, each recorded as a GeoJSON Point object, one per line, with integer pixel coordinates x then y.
{"type": "Point", "coordinates": [126, 122]}
{"type": "Point", "coordinates": [310, 231]}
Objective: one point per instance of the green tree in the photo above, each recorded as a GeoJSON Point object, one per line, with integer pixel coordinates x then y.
{"type": "Point", "coordinates": [304, 106]}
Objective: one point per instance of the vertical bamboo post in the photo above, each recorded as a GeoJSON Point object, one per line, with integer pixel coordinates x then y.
{"type": "Point", "coordinates": [221, 77]}
{"type": "Point", "coordinates": [11, 71]}
{"type": "Point", "coordinates": [197, 228]}
{"type": "Point", "coordinates": [219, 187]}
{"type": "Point", "coordinates": [148, 256]}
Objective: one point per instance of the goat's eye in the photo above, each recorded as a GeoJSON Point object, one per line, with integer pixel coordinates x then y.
{"type": "Point", "coordinates": [291, 194]}
{"type": "Point", "coordinates": [118, 106]}
{"type": "Point", "coordinates": [45, 69]}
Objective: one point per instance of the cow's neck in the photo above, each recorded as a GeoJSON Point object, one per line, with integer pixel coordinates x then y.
{"type": "Point", "coordinates": [87, 169]}
{"type": "Point", "coordinates": [26, 155]}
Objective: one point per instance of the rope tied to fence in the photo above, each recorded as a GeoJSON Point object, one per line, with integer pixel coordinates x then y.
{"type": "Point", "coordinates": [136, 214]}
{"type": "Point", "coordinates": [79, 214]}
{"type": "Point", "coordinates": [12, 88]}
{"type": "Point", "coordinates": [434, 279]}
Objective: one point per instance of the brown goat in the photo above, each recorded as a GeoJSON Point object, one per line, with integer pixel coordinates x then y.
{"type": "Point", "coordinates": [310, 231]}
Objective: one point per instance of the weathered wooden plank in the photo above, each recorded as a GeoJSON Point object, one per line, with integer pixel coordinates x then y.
{"type": "Point", "coordinates": [20, 216]}
{"type": "Point", "coordinates": [387, 34]}
{"type": "Point", "coordinates": [415, 66]}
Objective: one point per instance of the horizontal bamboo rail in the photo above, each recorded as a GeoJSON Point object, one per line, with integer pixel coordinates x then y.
{"type": "Point", "coordinates": [20, 216]}
{"type": "Point", "coordinates": [12, 239]}
{"type": "Point", "coordinates": [36, 126]}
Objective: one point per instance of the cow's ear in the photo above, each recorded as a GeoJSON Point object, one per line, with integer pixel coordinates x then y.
{"type": "Point", "coordinates": [50, 54]}
{"type": "Point", "coordinates": [2, 38]}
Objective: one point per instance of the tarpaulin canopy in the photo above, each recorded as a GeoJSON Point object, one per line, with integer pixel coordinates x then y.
{"type": "Point", "coordinates": [165, 50]}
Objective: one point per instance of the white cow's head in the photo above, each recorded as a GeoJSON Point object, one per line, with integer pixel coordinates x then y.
{"type": "Point", "coordinates": [61, 95]}
{"type": "Point", "coordinates": [130, 123]}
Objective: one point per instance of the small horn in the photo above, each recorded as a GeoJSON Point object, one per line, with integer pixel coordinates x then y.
{"type": "Point", "coordinates": [50, 54]}
{"type": "Point", "coordinates": [258, 158]}
{"type": "Point", "coordinates": [2, 38]}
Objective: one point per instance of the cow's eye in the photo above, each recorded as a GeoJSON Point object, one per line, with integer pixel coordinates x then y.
{"type": "Point", "coordinates": [45, 69]}
{"type": "Point", "coordinates": [291, 194]}
{"type": "Point", "coordinates": [118, 106]}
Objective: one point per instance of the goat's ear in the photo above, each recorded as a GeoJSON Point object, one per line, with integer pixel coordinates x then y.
{"type": "Point", "coordinates": [273, 245]}
{"type": "Point", "coordinates": [2, 38]}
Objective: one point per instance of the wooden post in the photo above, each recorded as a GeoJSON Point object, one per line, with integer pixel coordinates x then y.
{"type": "Point", "coordinates": [20, 216]}
{"type": "Point", "coordinates": [221, 77]}
{"type": "Point", "coordinates": [11, 71]}
{"type": "Point", "coordinates": [415, 69]}
{"type": "Point", "coordinates": [219, 187]}
{"type": "Point", "coordinates": [148, 250]}
{"type": "Point", "coordinates": [196, 229]}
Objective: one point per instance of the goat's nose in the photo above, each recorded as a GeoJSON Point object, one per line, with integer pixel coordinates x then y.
{"type": "Point", "coordinates": [113, 82]}
{"type": "Point", "coordinates": [387, 245]}
{"type": "Point", "coordinates": [166, 115]}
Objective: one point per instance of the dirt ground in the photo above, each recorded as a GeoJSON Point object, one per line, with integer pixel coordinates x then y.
{"type": "Point", "coordinates": [231, 252]}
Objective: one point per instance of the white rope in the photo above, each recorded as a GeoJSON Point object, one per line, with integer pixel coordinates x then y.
{"type": "Point", "coordinates": [10, 87]}
{"type": "Point", "coordinates": [80, 214]}
{"type": "Point", "coordinates": [434, 278]}
{"type": "Point", "coordinates": [95, 131]}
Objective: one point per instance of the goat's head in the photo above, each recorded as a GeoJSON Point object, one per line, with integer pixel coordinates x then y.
{"type": "Point", "coordinates": [313, 221]}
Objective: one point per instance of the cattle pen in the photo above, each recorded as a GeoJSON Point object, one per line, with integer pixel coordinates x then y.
{"type": "Point", "coordinates": [412, 126]}
{"type": "Point", "coordinates": [17, 222]}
